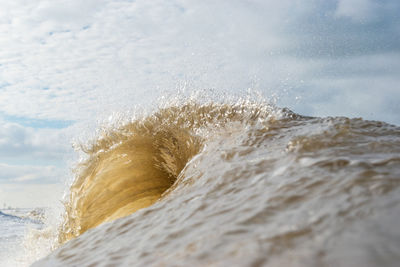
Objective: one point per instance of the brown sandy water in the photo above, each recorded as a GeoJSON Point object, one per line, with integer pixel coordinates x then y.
{"type": "Point", "coordinates": [242, 184]}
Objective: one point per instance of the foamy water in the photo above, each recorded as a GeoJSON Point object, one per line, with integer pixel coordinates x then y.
{"type": "Point", "coordinates": [17, 226]}
{"type": "Point", "coordinates": [243, 184]}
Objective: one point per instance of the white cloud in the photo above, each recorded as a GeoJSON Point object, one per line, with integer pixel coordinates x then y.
{"type": "Point", "coordinates": [30, 174]}
{"type": "Point", "coordinates": [74, 60]}
{"type": "Point", "coordinates": [68, 14]}
{"type": "Point", "coordinates": [17, 141]}
{"type": "Point", "coordinates": [358, 10]}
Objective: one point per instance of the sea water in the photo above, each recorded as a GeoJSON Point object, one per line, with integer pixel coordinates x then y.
{"type": "Point", "coordinates": [15, 226]}
{"type": "Point", "coordinates": [243, 183]}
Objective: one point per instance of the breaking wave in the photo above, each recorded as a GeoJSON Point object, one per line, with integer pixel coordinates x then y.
{"type": "Point", "coordinates": [131, 167]}
{"type": "Point", "coordinates": [244, 183]}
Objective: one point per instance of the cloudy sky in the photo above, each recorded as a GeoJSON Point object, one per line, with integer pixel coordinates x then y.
{"type": "Point", "coordinates": [65, 64]}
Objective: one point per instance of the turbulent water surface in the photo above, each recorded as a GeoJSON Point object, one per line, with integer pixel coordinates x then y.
{"type": "Point", "coordinates": [242, 184]}
{"type": "Point", "coordinates": [15, 227]}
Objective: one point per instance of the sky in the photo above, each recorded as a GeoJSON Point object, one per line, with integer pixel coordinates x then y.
{"type": "Point", "coordinates": [67, 64]}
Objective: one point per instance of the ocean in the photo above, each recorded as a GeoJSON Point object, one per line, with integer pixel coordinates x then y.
{"type": "Point", "coordinates": [240, 183]}
{"type": "Point", "coordinates": [17, 227]}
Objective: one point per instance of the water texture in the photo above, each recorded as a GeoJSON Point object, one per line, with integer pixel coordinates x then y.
{"type": "Point", "coordinates": [243, 184]}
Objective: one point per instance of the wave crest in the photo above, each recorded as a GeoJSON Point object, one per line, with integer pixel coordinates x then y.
{"type": "Point", "coordinates": [130, 167]}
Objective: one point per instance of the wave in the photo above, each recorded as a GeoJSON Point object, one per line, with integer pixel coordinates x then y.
{"type": "Point", "coordinates": [131, 167]}
{"type": "Point", "coordinates": [244, 183]}
{"type": "Point", "coordinates": [9, 216]}
{"type": "Point", "coordinates": [28, 218]}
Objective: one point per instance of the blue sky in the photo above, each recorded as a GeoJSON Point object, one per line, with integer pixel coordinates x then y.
{"type": "Point", "coordinates": [64, 65]}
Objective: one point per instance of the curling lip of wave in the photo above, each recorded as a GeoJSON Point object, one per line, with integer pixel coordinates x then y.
{"type": "Point", "coordinates": [131, 167]}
